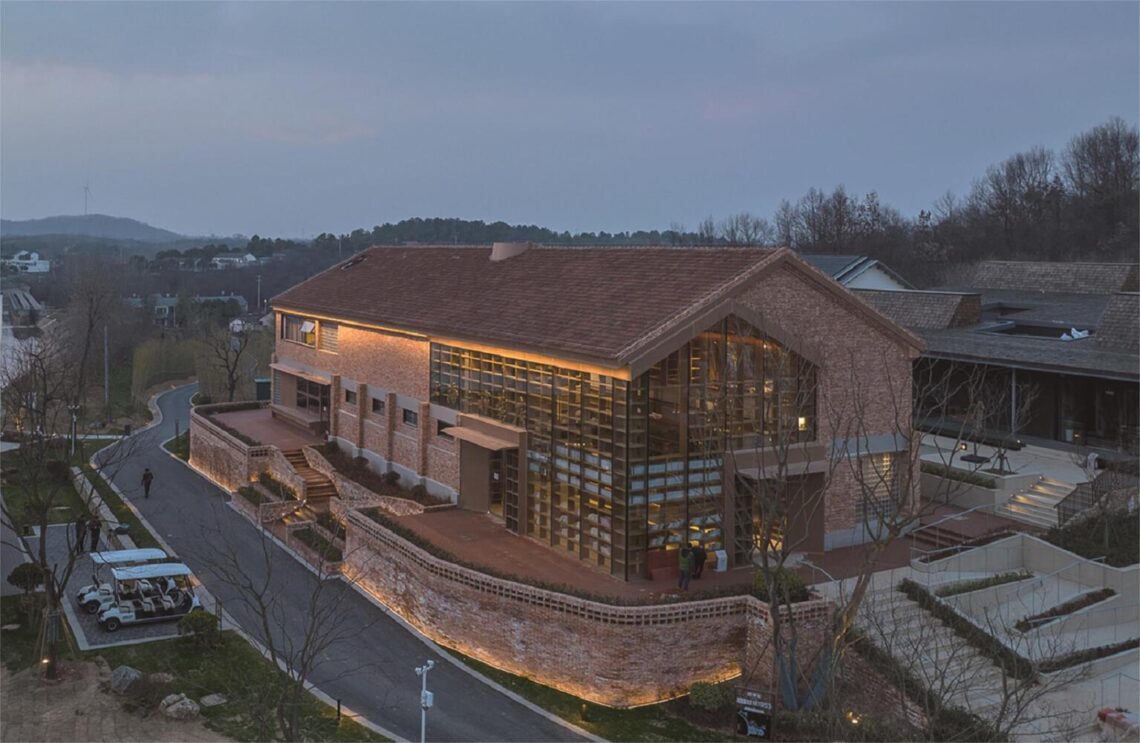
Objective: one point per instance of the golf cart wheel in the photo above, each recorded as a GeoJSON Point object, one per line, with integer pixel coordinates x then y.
{"type": "Point", "coordinates": [92, 607]}
{"type": "Point", "coordinates": [111, 625]}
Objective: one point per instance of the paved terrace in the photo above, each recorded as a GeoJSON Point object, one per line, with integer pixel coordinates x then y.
{"type": "Point", "coordinates": [482, 540]}
{"type": "Point", "coordinates": [261, 426]}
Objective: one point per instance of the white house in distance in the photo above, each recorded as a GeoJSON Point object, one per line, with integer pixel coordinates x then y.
{"type": "Point", "coordinates": [858, 272]}
{"type": "Point", "coordinates": [28, 262]}
{"type": "Point", "coordinates": [233, 260]}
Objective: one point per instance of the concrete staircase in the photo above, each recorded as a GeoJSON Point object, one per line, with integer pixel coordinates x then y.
{"type": "Point", "coordinates": [940, 659]}
{"type": "Point", "coordinates": [318, 488]}
{"type": "Point", "coordinates": [1037, 505]}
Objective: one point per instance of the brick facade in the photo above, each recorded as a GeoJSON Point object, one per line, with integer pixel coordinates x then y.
{"type": "Point", "coordinates": [619, 656]}
{"type": "Point", "coordinates": [863, 362]}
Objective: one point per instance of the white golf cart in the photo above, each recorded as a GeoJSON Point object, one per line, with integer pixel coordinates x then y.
{"type": "Point", "coordinates": [99, 594]}
{"type": "Point", "coordinates": [149, 593]}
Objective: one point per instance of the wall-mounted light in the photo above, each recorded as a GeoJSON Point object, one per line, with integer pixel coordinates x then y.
{"type": "Point", "coordinates": [803, 423]}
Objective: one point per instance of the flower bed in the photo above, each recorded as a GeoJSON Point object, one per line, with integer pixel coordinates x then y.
{"type": "Point", "coordinates": [276, 487]}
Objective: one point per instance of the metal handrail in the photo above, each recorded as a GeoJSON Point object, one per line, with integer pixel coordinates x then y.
{"type": "Point", "coordinates": [1041, 578]}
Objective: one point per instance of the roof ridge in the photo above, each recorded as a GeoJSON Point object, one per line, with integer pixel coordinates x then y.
{"type": "Point", "coordinates": [718, 291]}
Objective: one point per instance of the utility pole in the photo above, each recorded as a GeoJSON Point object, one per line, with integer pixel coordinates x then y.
{"type": "Point", "coordinates": [426, 698]}
{"type": "Point", "coordinates": [106, 374]}
{"type": "Point", "coordinates": [339, 243]}
{"type": "Point", "coordinates": [259, 293]}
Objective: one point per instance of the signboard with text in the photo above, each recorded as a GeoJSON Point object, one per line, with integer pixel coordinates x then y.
{"type": "Point", "coordinates": [753, 713]}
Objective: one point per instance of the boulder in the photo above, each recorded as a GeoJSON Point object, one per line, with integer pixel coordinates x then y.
{"type": "Point", "coordinates": [179, 707]}
{"type": "Point", "coordinates": [123, 677]}
{"type": "Point", "coordinates": [212, 700]}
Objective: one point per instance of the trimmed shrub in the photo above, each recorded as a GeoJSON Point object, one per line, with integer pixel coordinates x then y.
{"type": "Point", "coordinates": [710, 697]}
{"type": "Point", "coordinates": [27, 576]}
{"type": "Point", "coordinates": [392, 477]}
{"type": "Point", "coordinates": [970, 478]}
{"type": "Point", "coordinates": [202, 627]}
{"type": "Point", "coordinates": [419, 493]}
{"type": "Point", "coordinates": [785, 584]}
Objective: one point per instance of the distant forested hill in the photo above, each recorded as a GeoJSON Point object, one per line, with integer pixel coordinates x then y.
{"type": "Point", "coordinates": [91, 225]}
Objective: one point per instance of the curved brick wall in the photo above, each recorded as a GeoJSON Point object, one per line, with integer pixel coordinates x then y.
{"type": "Point", "coordinates": [614, 655]}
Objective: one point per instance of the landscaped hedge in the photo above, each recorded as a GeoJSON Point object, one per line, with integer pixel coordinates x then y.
{"type": "Point", "coordinates": [971, 478]}
{"type": "Point", "coordinates": [1084, 656]}
{"type": "Point", "coordinates": [948, 722]}
{"type": "Point", "coordinates": [273, 485]}
{"type": "Point", "coordinates": [966, 586]}
{"type": "Point", "coordinates": [323, 547]}
{"type": "Point", "coordinates": [251, 494]}
{"type": "Point", "coordinates": [1036, 620]}
{"type": "Point", "coordinates": [1014, 664]}
{"type": "Point", "coordinates": [359, 472]}
{"type": "Point", "coordinates": [1087, 537]}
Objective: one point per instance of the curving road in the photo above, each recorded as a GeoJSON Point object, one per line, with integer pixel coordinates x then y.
{"type": "Point", "coordinates": [370, 667]}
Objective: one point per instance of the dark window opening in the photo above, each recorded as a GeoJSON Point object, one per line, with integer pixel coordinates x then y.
{"type": "Point", "coordinates": [411, 417]}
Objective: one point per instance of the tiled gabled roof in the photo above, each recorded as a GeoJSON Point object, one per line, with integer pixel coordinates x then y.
{"type": "Point", "coordinates": [926, 310]}
{"type": "Point", "coordinates": [1062, 278]}
{"type": "Point", "coordinates": [593, 302]}
{"type": "Point", "coordinates": [605, 304]}
{"type": "Point", "coordinates": [1119, 328]}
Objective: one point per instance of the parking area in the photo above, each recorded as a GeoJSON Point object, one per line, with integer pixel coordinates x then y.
{"type": "Point", "coordinates": [85, 626]}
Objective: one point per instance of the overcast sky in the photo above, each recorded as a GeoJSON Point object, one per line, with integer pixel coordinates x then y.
{"type": "Point", "coordinates": [290, 119]}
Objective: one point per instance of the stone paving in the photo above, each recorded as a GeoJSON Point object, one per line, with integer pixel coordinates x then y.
{"type": "Point", "coordinates": [261, 426]}
{"type": "Point", "coordinates": [75, 708]}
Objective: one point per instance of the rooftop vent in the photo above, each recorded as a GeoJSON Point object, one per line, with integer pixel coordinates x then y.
{"type": "Point", "coordinates": [503, 251]}
{"type": "Point", "coordinates": [353, 261]}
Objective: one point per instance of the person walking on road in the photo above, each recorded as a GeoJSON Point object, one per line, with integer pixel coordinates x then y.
{"type": "Point", "coordinates": [685, 564]}
{"type": "Point", "coordinates": [80, 531]}
{"type": "Point", "coordinates": [147, 479]}
{"type": "Point", "coordinates": [93, 528]}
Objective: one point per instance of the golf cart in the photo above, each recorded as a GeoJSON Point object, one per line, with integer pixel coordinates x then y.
{"type": "Point", "coordinates": [149, 593]}
{"type": "Point", "coordinates": [99, 594]}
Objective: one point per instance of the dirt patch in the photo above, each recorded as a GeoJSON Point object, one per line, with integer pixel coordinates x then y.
{"type": "Point", "coordinates": [76, 708]}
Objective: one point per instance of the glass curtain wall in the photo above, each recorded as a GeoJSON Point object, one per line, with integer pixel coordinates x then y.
{"type": "Point", "coordinates": [616, 470]}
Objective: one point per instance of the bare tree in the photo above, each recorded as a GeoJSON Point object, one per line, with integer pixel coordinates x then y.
{"type": "Point", "coordinates": [93, 298]}
{"type": "Point", "coordinates": [37, 409]}
{"type": "Point", "coordinates": [224, 350]}
{"type": "Point", "coordinates": [746, 229]}
{"type": "Point", "coordinates": [299, 639]}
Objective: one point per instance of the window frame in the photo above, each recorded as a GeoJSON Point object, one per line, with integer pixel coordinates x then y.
{"type": "Point", "coordinates": [413, 415]}
{"type": "Point", "coordinates": [379, 405]}
{"type": "Point", "coordinates": [350, 396]}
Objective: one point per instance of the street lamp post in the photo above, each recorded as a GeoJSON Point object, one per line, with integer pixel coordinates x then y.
{"type": "Point", "coordinates": [426, 697]}
{"type": "Point", "coordinates": [74, 409]}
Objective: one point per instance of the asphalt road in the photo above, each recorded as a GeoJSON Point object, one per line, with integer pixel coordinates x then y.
{"type": "Point", "coordinates": [370, 664]}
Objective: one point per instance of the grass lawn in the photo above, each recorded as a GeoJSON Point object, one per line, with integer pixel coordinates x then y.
{"type": "Point", "coordinates": [179, 446]}
{"type": "Point", "coordinates": [138, 533]}
{"type": "Point", "coordinates": [652, 723]}
{"type": "Point", "coordinates": [234, 669]}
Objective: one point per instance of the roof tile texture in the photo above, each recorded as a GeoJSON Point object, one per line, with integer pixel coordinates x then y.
{"type": "Point", "coordinates": [926, 310]}
{"type": "Point", "coordinates": [587, 301]}
{"type": "Point", "coordinates": [1065, 278]}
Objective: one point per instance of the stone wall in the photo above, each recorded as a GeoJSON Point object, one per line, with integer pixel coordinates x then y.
{"type": "Point", "coordinates": [352, 494]}
{"type": "Point", "coordinates": [614, 655]}
{"type": "Point", "coordinates": [226, 460]}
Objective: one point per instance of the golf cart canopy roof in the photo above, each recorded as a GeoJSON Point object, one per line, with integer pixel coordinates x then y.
{"type": "Point", "coordinates": [120, 556]}
{"type": "Point", "coordinates": [164, 570]}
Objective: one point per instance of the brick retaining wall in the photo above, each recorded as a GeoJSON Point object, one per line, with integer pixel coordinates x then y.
{"type": "Point", "coordinates": [619, 656]}
{"type": "Point", "coordinates": [228, 461]}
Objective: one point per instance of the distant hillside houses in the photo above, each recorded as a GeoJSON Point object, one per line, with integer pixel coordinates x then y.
{"type": "Point", "coordinates": [232, 260]}
{"type": "Point", "coordinates": [165, 306]}
{"type": "Point", "coordinates": [27, 262]}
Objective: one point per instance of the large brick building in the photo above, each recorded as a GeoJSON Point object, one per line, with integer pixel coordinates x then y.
{"type": "Point", "coordinates": [609, 402]}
